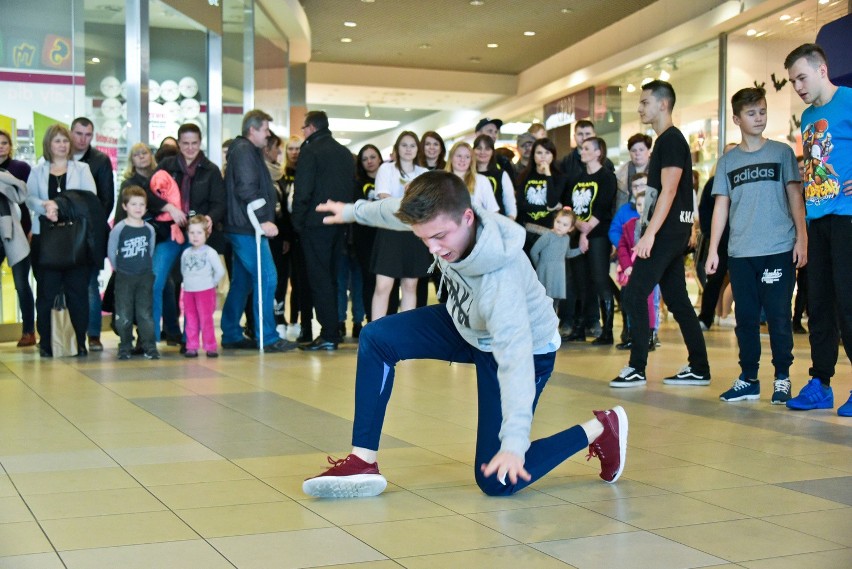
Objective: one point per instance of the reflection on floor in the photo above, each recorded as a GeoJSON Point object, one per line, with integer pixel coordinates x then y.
{"type": "Point", "coordinates": [198, 464]}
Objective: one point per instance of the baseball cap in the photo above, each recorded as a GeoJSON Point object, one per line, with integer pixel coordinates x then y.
{"type": "Point", "coordinates": [525, 137]}
{"type": "Point", "coordinates": [496, 122]}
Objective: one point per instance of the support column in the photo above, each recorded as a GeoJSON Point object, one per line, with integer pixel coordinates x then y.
{"type": "Point", "coordinates": [248, 56]}
{"type": "Point", "coordinates": [297, 89]}
{"type": "Point", "coordinates": [723, 88]}
{"type": "Point", "coordinates": [137, 68]}
{"type": "Point", "coordinates": [214, 97]}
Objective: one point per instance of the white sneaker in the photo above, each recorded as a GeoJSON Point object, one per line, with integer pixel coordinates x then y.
{"type": "Point", "coordinates": [729, 321]}
{"type": "Point", "coordinates": [293, 332]}
{"type": "Point", "coordinates": [282, 331]}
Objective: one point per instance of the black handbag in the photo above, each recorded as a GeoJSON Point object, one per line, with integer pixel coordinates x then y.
{"type": "Point", "coordinates": [63, 244]}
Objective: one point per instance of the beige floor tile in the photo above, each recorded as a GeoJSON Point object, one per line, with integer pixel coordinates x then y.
{"type": "Point", "coordinates": [436, 476]}
{"type": "Point", "coordinates": [427, 536]}
{"type": "Point", "coordinates": [689, 478]}
{"type": "Point", "coordinates": [580, 489]}
{"type": "Point", "coordinates": [776, 469]}
{"type": "Point", "coordinates": [836, 559]}
{"type": "Point", "coordinates": [6, 487]}
{"type": "Point", "coordinates": [13, 509]}
{"type": "Point", "coordinates": [709, 452]}
{"type": "Point", "coordinates": [652, 512]}
{"type": "Point", "coordinates": [551, 523]}
{"type": "Point", "coordinates": [110, 441]}
{"type": "Point", "coordinates": [51, 462]}
{"type": "Point", "coordinates": [767, 500]}
{"type": "Point", "coordinates": [187, 472]}
{"type": "Point", "coordinates": [121, 529]}
{"type": "Point", "coordinates": [209, 494]}
{"type": "Point", "coordinates": [389, 506]}
{"type": "Point", "coordinates": [411, 456]}
{"type": "Point", "coordinates": [470, 499]}
{"type": "Point", "coordinates": [295, 549]}
{"type": "Point", "coordinates": [165, 453]}
{"type": "Point", "coordinates": [634, 550]}
{"type": "Point", "coordinates": [32, 561]}
{"type": "Point", "coordinates": [193, 554]}
{"type": "Point", "coordinates": [93, 503]}
{"type": "Point", "coordinates": [745, 540]}
{"type": "Point", "coordinates": [837, 460]}
{"type": "Point", "coordinates": [510, 557]}
{"type": "Point", "coordinates": [246, 519]}
{"type": "Point", "coordinates": [297, 464]}
{"type": "Point", "coordinates": [460, 452]}
{"type": "Point", "coordinates": [32, 483]}
{"type": "Point", "coordinates": [22, 538]}
{"type": "Point", "coordinates": [149, 388]}
{"type": "Point", "coordinates": [834, 525]}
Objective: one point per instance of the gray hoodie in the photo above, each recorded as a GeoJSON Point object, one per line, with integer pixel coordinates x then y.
{"type": "Point", "coordinates": [497, 305]}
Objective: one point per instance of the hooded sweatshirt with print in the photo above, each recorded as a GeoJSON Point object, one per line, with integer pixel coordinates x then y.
{"type": "Point", "coordinates": [496, 303]}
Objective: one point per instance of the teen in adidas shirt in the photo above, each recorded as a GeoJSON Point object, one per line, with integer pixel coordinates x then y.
{"type": "Point", "coordinates": [758, 191]}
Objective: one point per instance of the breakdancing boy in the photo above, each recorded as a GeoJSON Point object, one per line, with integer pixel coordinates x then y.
{"type": "Point", "coordinates": [497, 317]}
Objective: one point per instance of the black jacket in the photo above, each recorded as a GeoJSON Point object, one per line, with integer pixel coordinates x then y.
{"type": "Point", "coordinates": [247, 179]}
{"type": "Point", "coordinates": [101, 167]}
{"type": "Point", "coordinates": [206, 197]}
{"type": "Point", "coordinates": [76, 204]}
{"type": "Point", "coordinates": [325, 172]}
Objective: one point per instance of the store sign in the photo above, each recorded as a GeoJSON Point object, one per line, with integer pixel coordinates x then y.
{"type": "Point", "coordinates": [56, 52]}
{"type": "Point", "coordinates": [23, 55]}
{"type": "Point", "coordinates": [568, 110]}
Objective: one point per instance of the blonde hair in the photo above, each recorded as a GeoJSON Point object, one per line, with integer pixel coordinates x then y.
{"type": "Point", "coordinates": [297, 140]}
{"type": "Point", "coordinates": [469, 177]}
{"type": "Point", "coordinates": [52, 132]}
{"type": "Point", "coordinates": [566, 212]}
{"type": "Point", "coordinates": [131, 169]}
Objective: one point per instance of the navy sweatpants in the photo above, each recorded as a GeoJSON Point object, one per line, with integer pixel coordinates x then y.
{"type": "Point", "coordinates": [766, 281]}
{"type": "Point", "coordinates": [429, 333]}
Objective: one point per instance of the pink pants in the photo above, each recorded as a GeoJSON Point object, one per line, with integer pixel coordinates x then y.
{"type": "Point", "coordinates": [198, 308]}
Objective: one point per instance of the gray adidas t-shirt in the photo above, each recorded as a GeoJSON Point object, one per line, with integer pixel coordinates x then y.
{"type": "Point", "coordinates": [756, 183]}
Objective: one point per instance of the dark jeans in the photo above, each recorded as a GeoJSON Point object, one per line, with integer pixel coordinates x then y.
{"type": "Point", "coordinates": [21, 277]}
{"type": "Point", "coordinates": [713, 286]}
{"type": "Point", "coordinates": [800, 306]}
{"type": "Point", "coordinates": [829, 301]}
{"type": "Point", "coordinates": [767, 282]}
{"type": "Point", "coordinates": [74, 283]}
{"type": "Point", "coordinates": [301, 308]}
{"type": "Point", "coordinates": [429, 333]}
{"type": "Point", "coordinates": [282, 265]}
{"type": "Point", "coordinates": [134, 302]}
{"type": "Point", "coordinates": [663, 267]}
{"type": "Point", "coordinates": [322, 247]}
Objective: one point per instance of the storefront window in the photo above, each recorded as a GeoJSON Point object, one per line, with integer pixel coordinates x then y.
{"type": "Point", "coordinates": [756, 54]}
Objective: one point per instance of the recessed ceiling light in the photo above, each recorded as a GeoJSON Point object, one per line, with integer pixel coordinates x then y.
{"type": "Point", "coordinates": [529, 34]}
{"type": "Point", "coordinates": [475, 60]}
{"type": "Point", "coordinates": [368, 1]}
{"type": "Point", "coordinates": [751, 32]}
{"type": "Point", "coordinates": [476, 2]}
{"type": "Point", "coordinates": [492, 45]}
{"type": "Point", "coordinates": [346, 40]}
{"type": "Point", "coordinates": [350, 24]}
{"type": "Point", "coordinates": [823, 2]}
{"type": "Point", "coordinates": [567, 11]}
{"type": "Point", "coordinates": [784, 17]}
{"type": "Point", "coordinates": [407, 109]}
{"type": "Point", "coordinates": [631, 87]}
{"type": "Point", "coordinates": [424, 46]}
{"type": "Point", "coordinates": [664, 75]}
{"type": "Point", "coordinates": [96, 60]}
{"type": "Point", "coordinates": [761, 34]}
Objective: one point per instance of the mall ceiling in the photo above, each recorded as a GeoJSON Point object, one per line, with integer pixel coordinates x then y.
{"type": "Point", "coordinates": [456, 34]}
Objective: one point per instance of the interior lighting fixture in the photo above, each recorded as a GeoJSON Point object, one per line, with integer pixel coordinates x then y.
{"type": "Point", "coordinates": [567, 11]}
{"type": "Point", "coordinates": [350, 24]}
{"type": "Point", "coordinates": [751, 32]}
{"type": "Point", "coordinates": [360, 125]}
{"type": "Point", "coordinates": [664, 75]}
{"type": "Point", "coordinates": [760, 34]}
{"type": "Point", "coordinates": [529, 34]}
{"type": "Point", "coordinates": [646, 80]}
{"type": "Point", "coordinates": [784, 17]}
{"type": "Point", "coordinates": [823, 2]}
{"type": "Point", "coordinates": [476, 2]}
{"type": "Point", "coordinates": [492, 45]}
{"type": "Point", "coordinates": [368, 1]}
{"type": "Point", "coordinates": [96, 60]}
{"type": "Point", "coordinates": [346, 40]}
{"type": "Point", "coordinates": [424, 46]}
{"type": "Point", "coordinates": [367, 111]}
{"type": "Point", "coordinates": [631, 88]}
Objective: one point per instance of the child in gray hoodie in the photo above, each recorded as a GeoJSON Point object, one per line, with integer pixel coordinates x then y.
{"type": "Point", "coordinates": [497, 317]}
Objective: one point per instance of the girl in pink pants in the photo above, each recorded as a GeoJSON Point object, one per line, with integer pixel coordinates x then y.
{"type": "Point", "coordinates": [202, 270]}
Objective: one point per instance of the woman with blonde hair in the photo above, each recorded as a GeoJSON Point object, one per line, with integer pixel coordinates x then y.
{"type": "Point", "coordinates": [461, 164]}
{"type": "Point", "coordinates": [56, 174]}
{"type": "Point", "coordinates": [140, 168]}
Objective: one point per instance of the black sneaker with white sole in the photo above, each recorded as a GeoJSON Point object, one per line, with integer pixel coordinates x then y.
{"type": "Point", "coordinates": [686, 376]}
{"type": "Point", "coordinates": [629, 377]}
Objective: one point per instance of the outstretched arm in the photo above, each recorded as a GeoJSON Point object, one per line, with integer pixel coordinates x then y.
{"type": "Point", "coordinates": [375, 214]}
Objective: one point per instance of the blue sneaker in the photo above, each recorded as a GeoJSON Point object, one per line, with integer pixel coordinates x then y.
{"type": "Point", "coordinates": [845, 410]}
{"type": "Point", "coordinates": [812, 396]}
{"type": "Point", "coordinates": [742, 390]}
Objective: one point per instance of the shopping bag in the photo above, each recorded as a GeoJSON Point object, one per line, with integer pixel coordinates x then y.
{"type": "Point", "coordinates": [63, 339]}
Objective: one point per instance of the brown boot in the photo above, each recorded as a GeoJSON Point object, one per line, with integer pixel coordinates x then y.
{"type": "Point", "coordinates": [27, 340]}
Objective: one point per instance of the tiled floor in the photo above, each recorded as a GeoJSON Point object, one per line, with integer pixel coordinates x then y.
{"type": "Point", "coordinates": [177, 464]}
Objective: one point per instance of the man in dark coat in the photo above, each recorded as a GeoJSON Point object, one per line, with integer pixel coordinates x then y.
{"type": "Point", "coordinates": [82, 131]}
{"type": "Point", "coordinates": [326, 172]}
{"type": "Point", "coordinates": [248, 184]}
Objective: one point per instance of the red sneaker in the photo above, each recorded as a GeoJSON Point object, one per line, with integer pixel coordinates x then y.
{"type": "Point", "coordinates": [348, 477]}
{"type": "Point", "coordinates": [611, 446]}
